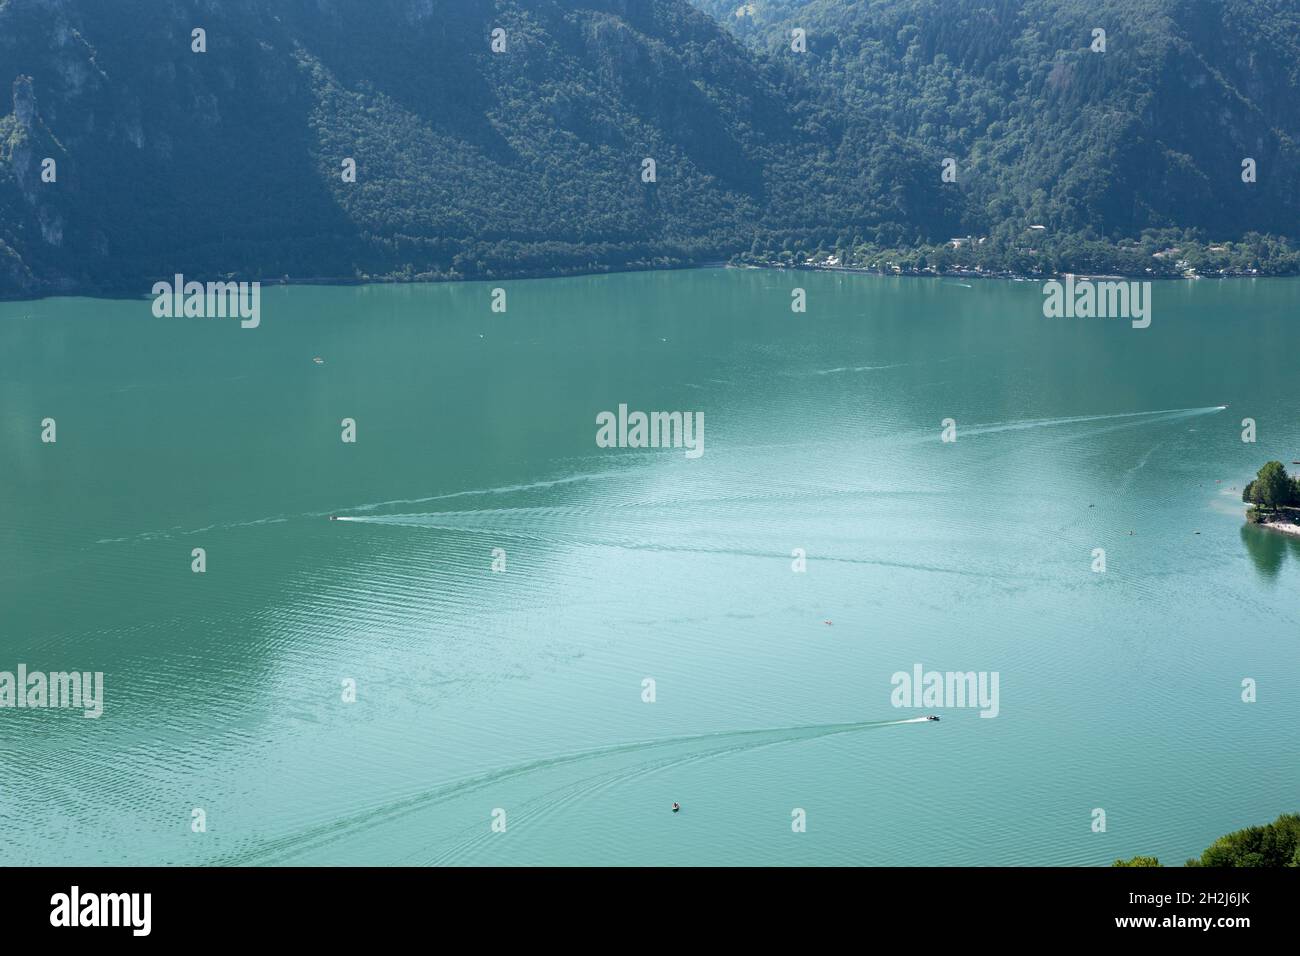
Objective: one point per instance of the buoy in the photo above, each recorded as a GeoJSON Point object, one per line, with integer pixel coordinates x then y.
{"type": "Point", "coordinates": [676, 807]}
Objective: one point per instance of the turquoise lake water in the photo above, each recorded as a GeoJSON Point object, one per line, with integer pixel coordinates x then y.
{"type": "Point", "coordinates": [522, 690]}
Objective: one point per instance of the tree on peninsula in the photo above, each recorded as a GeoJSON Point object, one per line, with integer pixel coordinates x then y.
{"type": "Point", "coordinates": [1272, 488]}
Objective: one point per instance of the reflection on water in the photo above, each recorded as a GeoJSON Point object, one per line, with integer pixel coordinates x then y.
{"type": "Point", "coordinates": [1268, 549]}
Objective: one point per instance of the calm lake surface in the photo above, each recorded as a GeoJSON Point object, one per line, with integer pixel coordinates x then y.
{"type": "Point", "coordinates": [523, 690]}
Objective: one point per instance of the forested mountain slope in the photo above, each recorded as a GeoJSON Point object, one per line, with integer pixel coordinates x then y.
{"type": "Point", "coordinates": [477, 163]}
{"type": "Point", "coordinates": [469, 162]}
{"type": "Point", "coordinates": [1149, 133]}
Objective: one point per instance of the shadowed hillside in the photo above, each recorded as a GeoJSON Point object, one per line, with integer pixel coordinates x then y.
{"type": "Point", "coordinates": [473, 163]}
{"type": "Point", "coordinates": [468, 162]}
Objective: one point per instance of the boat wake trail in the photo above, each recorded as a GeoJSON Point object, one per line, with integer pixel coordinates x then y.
{"type": "Point", "coordinates": [859, 368]}
{"type": "Point", "coordinates": [498, 490]}
{"type": "Point", "coordinates": [366, 507]}
{"type": "Point", "coordinates": [646, 756]}
{"type": "Point", "coordinates": [1168, 414]}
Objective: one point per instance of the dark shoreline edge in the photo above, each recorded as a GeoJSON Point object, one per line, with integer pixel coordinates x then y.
{"type": "Point", "coordinates": [117, 294]}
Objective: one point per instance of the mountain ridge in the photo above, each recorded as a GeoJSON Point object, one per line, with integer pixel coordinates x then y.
{"type": "Point", "coordinates": [475, 164]}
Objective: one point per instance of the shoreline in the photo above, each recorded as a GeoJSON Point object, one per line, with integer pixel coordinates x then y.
{"type": "Point", "coordinates": [1282, 527]}
{"type": "Point", "coordinates": [1004, 276]}
{"type": "Point", "coordinates": [118, 294]}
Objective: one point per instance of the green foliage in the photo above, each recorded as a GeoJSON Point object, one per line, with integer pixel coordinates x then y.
{"type": "Point", "coordinates": [1275, 844]}
{"type": "Point", "coordinates": [1272, 487]}
{"type": "Point", "coordinates": [1149, 134]}
{"type": "Point", "coordinates": [473, 164]}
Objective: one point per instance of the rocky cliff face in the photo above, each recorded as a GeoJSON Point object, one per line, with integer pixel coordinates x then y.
{"type": "Point", "coordinates": [34, 159]}
{"type": "Point", "coordinates": [24, 103]}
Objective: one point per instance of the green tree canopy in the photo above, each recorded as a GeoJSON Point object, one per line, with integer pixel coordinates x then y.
{"type": "Point", "coordinates": [1272, 487]}
{"type": "Point", "coordinates": [1274, 844]}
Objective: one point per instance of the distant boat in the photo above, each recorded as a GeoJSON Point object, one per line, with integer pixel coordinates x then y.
{"type": "Point", "coordinates": [318, 360]}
